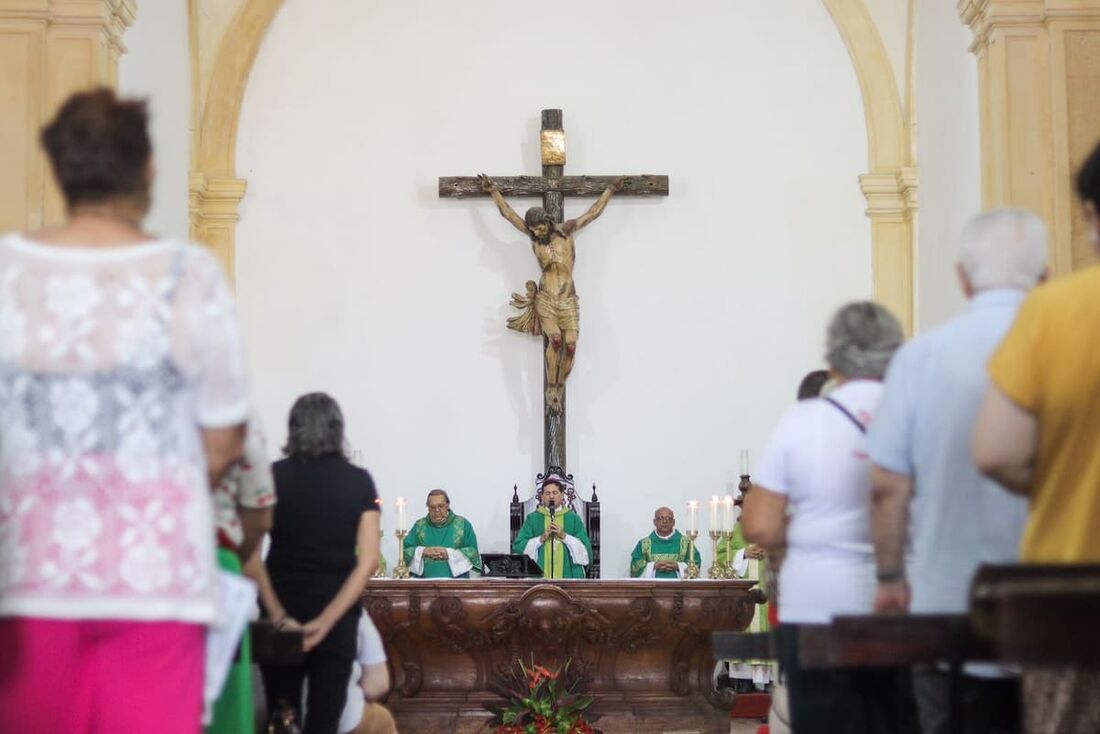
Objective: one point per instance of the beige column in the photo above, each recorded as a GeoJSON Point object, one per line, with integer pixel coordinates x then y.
{"type": "Point", "coordinates": [48, 49]}
{"type": "Point", "coordinates": [1039, 86]}
{"type": "Point", "coordinates": [225, 37]}
{"type": "Point", "coordinates": [891, 183]}
{"type": "Point", "coordinates": [892, 209]}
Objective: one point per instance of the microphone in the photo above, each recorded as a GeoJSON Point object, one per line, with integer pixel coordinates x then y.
{"type": "Point", "coordinates": [550, 506]}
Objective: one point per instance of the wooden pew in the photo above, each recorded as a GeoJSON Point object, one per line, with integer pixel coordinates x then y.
{"type": "Point", "coordinates": [1039, 614]}
{"type": "Point", "coordinates": [1019, 614]}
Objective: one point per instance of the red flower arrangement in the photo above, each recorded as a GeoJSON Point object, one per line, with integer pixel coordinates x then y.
{"type": "Point", "coordinates": [541, 701]}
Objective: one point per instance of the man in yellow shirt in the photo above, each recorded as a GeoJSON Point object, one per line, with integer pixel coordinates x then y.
{"type": "Point", "coordinates": [1038, 435]}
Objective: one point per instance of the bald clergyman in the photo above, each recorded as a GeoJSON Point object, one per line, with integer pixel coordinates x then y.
{"type": "Point", "coordinates": [663, 554]}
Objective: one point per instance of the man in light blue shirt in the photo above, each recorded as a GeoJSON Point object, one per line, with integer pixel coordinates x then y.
{"type": "Point", "coordinates": [925, 486]}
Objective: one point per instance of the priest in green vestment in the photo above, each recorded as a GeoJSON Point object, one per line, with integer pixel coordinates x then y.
{"type": "Point", "coordinates": [663, 554]}
{"type": "Point", "coordinates": [553, 536]}
{"type": "Point", "coordinates": [441, 544]}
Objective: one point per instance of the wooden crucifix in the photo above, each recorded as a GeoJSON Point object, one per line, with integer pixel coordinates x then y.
{"type": "Point", "coordinates": [550, 308]}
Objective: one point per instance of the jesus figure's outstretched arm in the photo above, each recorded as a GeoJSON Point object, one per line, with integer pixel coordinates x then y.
{"type": "Point", "coordinates": [594, 211]}
{"type": "Point", "coordinates": [505, 208]}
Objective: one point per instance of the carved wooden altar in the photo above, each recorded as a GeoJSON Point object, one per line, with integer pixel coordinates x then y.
{"type": "Point", "coordinates": [643, 647]}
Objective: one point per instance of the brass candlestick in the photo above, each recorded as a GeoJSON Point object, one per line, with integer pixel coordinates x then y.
{"type": "Point", "coordinates": [727, 567]}
{"type": "Point", "coordinates": [715, 570]}
{"type": "Point", "coordinates": [693, 567]}
{"type": "Point", "coordinates": [380, 573]}
{"type": "Point", "coordinates": [402, 569]}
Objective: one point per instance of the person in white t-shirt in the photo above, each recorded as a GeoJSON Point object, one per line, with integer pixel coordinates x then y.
{"type": "Point", "coordinates": [811, 498]}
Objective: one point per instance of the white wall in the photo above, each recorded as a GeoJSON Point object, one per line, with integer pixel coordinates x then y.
{"type": "Point", "coordinates": [157, 66]}
{"type": "Point", "coordinates": [700, 312]}
{"type": "Point", "coordinates": [948, 153]}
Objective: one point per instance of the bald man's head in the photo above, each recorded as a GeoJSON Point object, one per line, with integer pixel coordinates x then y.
{"type": "Point", "coordinates": [664, 520]}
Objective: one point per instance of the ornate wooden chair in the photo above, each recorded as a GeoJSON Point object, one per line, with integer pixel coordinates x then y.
{"type": "Point", "coordinates": [588, 510]}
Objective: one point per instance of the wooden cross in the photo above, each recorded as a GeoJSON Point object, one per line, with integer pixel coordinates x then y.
{"type": "Point", "coordinates": [553, 186]}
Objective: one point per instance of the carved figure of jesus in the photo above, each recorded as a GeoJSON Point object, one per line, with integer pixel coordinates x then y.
{"type": "Point", "coordinates": [551, 308]}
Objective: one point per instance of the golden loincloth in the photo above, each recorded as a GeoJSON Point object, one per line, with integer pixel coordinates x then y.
{"type": "Point", "coordinates": [539, 306]}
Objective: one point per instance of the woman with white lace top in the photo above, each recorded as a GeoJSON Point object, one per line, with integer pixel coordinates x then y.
{"type": "Point", "coordinates": [122, 397]}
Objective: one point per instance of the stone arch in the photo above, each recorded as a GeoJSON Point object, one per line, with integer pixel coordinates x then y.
{"type": "Point", "coordinates": [890, 185]}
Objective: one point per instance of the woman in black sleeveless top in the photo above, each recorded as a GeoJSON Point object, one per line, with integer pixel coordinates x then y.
{"type": "Point", "coordinates": [324, 550]}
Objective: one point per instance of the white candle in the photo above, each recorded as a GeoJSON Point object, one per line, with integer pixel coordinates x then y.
{"type": "Point", "coordinates": [381, 514]}
{"type": "Point", "coordinates": [727, 513]}
{"type": "Point", "coordinates": [693, 506]}
{"type": "Point", "coordinates": [714, 513]}
{"type": "Point", "coordinates": [744, 462]}
{"type": "Point", "coordinates": [400, 502]}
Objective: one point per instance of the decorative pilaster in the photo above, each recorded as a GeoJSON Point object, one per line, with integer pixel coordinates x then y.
{"type": "Point", "coordinates": [892, 209]}
{"type": "Point", "coordinates": [1039, 101]}
{"type": "Point", "coordinates": [215, 210]}
{"type": "Point", "coordinates": [48, 50]}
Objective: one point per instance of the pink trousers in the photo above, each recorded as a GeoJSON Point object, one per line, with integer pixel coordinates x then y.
{"type": "Point", "coordinates": [95, 677]}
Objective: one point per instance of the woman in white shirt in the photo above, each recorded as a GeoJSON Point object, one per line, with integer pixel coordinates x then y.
{"type": "Point", "coordinates": [122, 399]}
{"type": "Point", "coordinates": [811, 499]}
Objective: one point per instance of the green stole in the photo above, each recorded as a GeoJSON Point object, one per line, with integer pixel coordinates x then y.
{"type": "Point", "coordinates": [654, 548]}
{"type": "Point", "coordinates": [455, 532]}
{"type": "Point", "coordinates": [536, 524]}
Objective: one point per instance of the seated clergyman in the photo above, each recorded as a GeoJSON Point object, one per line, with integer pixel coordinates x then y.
{"type": "Point", "coordinates": [441, 544]}
{"type": "Point", "coordinates": [553, 536]}
{"type": "Point", "coordinates": [664, 553]}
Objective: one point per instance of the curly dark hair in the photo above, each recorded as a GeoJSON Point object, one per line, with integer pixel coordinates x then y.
{"type": "Point", "coordinates": [315, 428]}
{"type": "Point", "coordinates": [99, 147]}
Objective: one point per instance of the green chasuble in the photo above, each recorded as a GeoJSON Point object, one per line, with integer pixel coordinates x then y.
{"type": "Point", "coordinates": [655, 548]}
{"type": "Point", "coordinates": [535, 525]}
{"type": "Point", "coordinates": [455, 532]}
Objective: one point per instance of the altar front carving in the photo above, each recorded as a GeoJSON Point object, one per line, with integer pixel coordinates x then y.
{"type": "Point", "coordinates": [643, 647]}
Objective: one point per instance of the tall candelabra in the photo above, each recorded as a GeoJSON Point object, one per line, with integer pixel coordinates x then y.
{"type": "Point", "coordinates": [727, 567]}
{"type": "Point", "coordinates": [745, 485]}
{"type": "Point", "coordinates": [381, 573]}
{"type": "Point", "coordinates": [716, 571]}
{"type": "Point", "coordinates": [693, 567]}
{"type": "Point", "coordinates": [402, 569]}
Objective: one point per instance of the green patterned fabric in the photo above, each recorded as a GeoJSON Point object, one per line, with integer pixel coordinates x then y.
{"type": "Point", "coordinates": [563, 567]}
{"type": "Point", "coordinates": [654, 548]}
{"type": "Point", "coordinates": [455, 532]}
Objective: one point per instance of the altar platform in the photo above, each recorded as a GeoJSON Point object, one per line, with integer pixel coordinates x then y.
{"type": "Point", "coordinates": [642, 646]}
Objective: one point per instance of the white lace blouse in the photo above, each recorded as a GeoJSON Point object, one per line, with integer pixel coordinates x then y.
{"type": "Point", "coordinates": [111, 359]}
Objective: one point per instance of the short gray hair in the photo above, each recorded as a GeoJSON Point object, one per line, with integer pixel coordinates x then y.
{"type": "Point", "coordinates": [1004, 248]}
{"type": "Point", "coordinates": [436, 492]}
{"type": "Point", "coordinates": [315, 428]}
{"type": "Point", "coordinates": [861, 339]}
